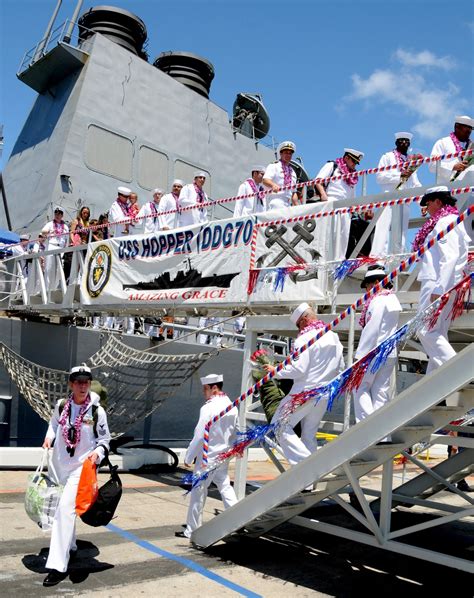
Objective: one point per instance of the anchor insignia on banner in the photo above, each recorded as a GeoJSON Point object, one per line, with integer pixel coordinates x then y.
{"type": "Point", "coordinates": [276, 236]}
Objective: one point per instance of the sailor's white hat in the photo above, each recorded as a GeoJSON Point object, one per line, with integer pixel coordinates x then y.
{"type": "Point", "coordinates": [356, 154]}
{"type": "Point", "coordinates": [157, 190]}
{"type": "Point", "coordinates": [59, 209]}
{"type": "Point", "coordinates": [212, 379]}
{"type": "Point", "coordinates": [200, 173]}
{"type": "Point", "coordinates": [80, 370]}
{"type": "Point", "coordinates": [286, 145]}
{"type": "Point", "coordinates": [124, 191]}
{"type": "Point", "coordinates": [464, 120]}
{"type": "Point", "coordinates": [178, 182]}
{"type": "Point", "coordinates": [25, 237]}
{"type": "Point", "coordinates": [403, 135]}
{"type": "Point", "coordinates": [299, 311]}
{"type": "Point", "coordinates": [257, 168]}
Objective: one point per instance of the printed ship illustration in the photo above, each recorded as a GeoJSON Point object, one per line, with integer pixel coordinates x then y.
{"type": "Point", "coordinates": [184, 279]}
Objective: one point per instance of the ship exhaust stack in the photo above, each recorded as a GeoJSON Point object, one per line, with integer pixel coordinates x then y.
{"type": "Point", "coordinates": [120, 26]}
{"type": "Point", "coordinates": [189, 69]}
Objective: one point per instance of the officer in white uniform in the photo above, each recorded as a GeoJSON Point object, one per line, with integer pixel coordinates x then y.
{"type": "Point", "coordinates": [57, 233]}
{"type": "Point", "coordinates": [192, 196]}
{"type": "Point", "coordinates": [149, 214]}
{"type": "Point", "coordinates": [441, 268]}
{"type": "Point", "coordinates": [253, 185]}
{"type": "Point", "coordinates": [21, 249]}
{"type": "Point", "coordinates": [119, 212]}
{"type": "Point", "coordinates": [280, 174]}
{"type": "Point", "coordinates": [221, 437]}
{"type": "Point", "coordinates": [315, 367]}
{"type": "Point", "coordinates": [340, 190]}
{"type": "Point", "coordinates": [388, 181]}
{"type": "Point", "coordinates": [170, 202]}
{"type": "Point", "coordinates": [381, 321]}
{"type": "Point", "coordinates": [72, 430]}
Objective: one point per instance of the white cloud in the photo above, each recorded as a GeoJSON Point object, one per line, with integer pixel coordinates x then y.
{"type": "Point", "coordinates": [432, 105]}
{"type": "Point", "coordinates": [424, 59]}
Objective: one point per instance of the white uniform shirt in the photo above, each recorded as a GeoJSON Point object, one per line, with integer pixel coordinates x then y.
{"type": "Point", "coordinates": [336, 190]}
{"type": "Point", "coordinates": [249, 205]}
{"type": "Point", "coordinates": [381, 322]}
{"type": "Point", "coordinates": [316, 366]}
{"type": "Point", "coordinates": [62, 461]}
{"type": "Point", "coordinates": [150, 217]}
{"type": "Point", "coordinates": [116, 214]}
{"type": "Point", "coordinates": [389, 179]}
{"type": "Point", "coordinates": [221, 433]}
{"type": "Point", "coordinates": [446, 260]}
{"type": "Point", "coordinates": [53, 242]}
{"type": "Point", "coordinates": [445, 145]}
{"type": "Point", "coordinates": [274, 172]}
{"type": "Point", "coordinates": [18, 250]}
{"type": "Point", "coordinates": [168, 203]}
{"type": "Point", "coordinates": [189, 198]}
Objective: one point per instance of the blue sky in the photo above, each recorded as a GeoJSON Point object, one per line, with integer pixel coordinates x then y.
{"type": "Point", "coordinates": [331, 73]}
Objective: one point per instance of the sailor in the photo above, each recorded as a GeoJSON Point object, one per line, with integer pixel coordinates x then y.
{"type": "Point", "coordinates": [80, 431]}
{"type": "Point", "coordinates": [119, 212]}
{"type": "Point", "coordinates": [441, 268]}
{"type": "Point", "coordinates": [340, 190]}
{"type": "Point", "coordinates": [57, 233]}
{"type": "Point", "coordinates": [169, 204]}
{"type": "Point", "coordinates": [390, 180]}
{"type": "Point", "coordinates": [314, 367]}
{"type": "Point", "coordinates": [379, 320]}
{"type": "Point", "coordinates": [281, 174]}
{"type": "Point", "coordinates": [22, 249]}
{"type": "Point", "coordinates": [192, 196]}
{"type": "Point", "coordinates": [253, 185]}
{"type": "Point", "coordinates": [149, 214]}
{"type": "Point", "coordinates": [221, 437]}
{"type": "Point", "coordinates": [460, 170]}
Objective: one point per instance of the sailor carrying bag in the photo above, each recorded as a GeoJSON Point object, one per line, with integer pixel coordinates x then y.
{"type": "Point", "coordinates": [103, 509]}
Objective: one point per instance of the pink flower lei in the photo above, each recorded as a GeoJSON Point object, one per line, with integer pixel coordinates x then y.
{"type": "Point", "coordinates": [365, 309]}
{"type": "Point", "coordinates": [401, 158]}
{"type": "Point", "coordinates": [259, 194]}
{"type": "Point", "coordinates": [287, 173]}
{"type": "Point", "coordinates": [430, 224]}
{"type": "Point", "coordinates": [314, 325]}
{"type": "Point", "coordinates": [71, 444]}
{"type": "Point", "coordinates": [350, 176]}
{"type": "Point", "coordinates": [457, 143]}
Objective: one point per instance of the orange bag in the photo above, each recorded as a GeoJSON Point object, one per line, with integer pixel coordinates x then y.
{"type": "Point", "coordinates": [88, 487]}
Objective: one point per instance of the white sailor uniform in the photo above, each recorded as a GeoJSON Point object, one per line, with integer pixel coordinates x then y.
{"type": "Point", "coordinates": [67, 471]}
{"type": "Point", "coordinates": [315, 367]}
{"type": "Point", "coordinates": [441, 268]}
{"type": "Point", "coordinates": [189, 198]}
{"type": "Point", "coordinates": [58, 238]}
{"type": "Point", "coordinates": [168, 203]}
{"type": "Point", "coordinates": [149, 217]}
{"type": "Point", "coordinates": [388, 180]}
{"type": "Point", "coordinates": [249, 205]}
{"type": "Point", "coordinates": [19, 250]}
{"type": "Point", "coordinates": [381, 322]}
{"type": "Point", "coordinates": [341, 223]}
{"type": "Point", "coordinates": [282, 199]}
{"type": "Point", "coordinates": [221, 437]}
{"type": "Point", "coordinates": [118, 214]}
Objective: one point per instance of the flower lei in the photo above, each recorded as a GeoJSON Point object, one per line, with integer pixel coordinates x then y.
{"type": "Point", "coordinates": [350, 176]}
{"type": "Point", "coordinates": [200, 195]}
{"type": "Point", "coordinates": [77, 422]}
{"type": "Point", "coordinates": [124, 207]}
{"type": "Point", "coordinates": [457, 143]}
{"type": "Point", "coordinates": [259, 194]}
{"type": "Point", "coordinates": [176, 198]}
{"type": "Point", "coordinates": [59, 228]}
{"type": "Point", "coordinates": [365, 309]}
{"type": "Point", "coordinates": [313, 325]}
{"type": "Point", "coordinates": [430, 224]}
{"type": "Point", "coordinates": [154, 211]}
{"type": "Point", "coordinates": [287, 173]}
{"type": "Point", "coordinates": [216, 394]}
{"type": "Point", "coordinates": [400, 158]}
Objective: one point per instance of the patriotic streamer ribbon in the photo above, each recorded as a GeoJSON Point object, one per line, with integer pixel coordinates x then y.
{"type": "Point", "coordinates": [349, 380]}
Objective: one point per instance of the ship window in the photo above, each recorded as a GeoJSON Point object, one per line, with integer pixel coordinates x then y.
{"type": "Point", "coordinates": [152, 168]}
{"type": "Point", "coordinates": [109, 153]}
{"type": "Point", "coordinates": [185, 171]}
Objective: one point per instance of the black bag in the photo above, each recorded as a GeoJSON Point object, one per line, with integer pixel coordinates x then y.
{"type": "Point", "coordinates": [102, 511]}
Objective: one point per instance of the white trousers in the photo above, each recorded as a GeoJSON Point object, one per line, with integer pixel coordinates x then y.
{"type": "Point", "coordinates": [296, 449]}
{"type": "Point", "coordinates": [380, 243]}
{"type": "Point", "coordinates": [51, 272]}
{"type": "Point", "coordinates": [435, 342]}
{"type": "Point", "coordinates": [63, 534]}
{"type": "Point", "coordinates": [374, 391]}
{"type": "Point", "coordinates": [199, 494]}
{"type": "Point", "coordinates": [341, 230]}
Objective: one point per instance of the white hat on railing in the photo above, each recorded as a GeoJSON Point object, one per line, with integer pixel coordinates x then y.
{"type": "Point", "coordinates": [212, 379]}
{"type": "Point", "coordinates": [298, 312]}
{"type": "Point", "coordinates": [464, 120]}
{"type": "Point", "coordinates": [403, 135]}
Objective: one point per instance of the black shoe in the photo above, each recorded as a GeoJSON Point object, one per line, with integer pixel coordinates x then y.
{"type": "Point", "coordinates": [72, 554]}
{"type": "Point", "coordinates": [180, 534]}
{"type": "Point", "coordinates": [463, 486]}
{"type": "Point", "coordinates": [53, 578]}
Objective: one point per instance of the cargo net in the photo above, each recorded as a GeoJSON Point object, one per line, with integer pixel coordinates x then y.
{"type": "Point", "coordinates": [132, 383]}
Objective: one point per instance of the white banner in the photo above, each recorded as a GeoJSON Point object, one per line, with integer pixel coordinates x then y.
{"type": "Point", "coordinates": [209, 264]}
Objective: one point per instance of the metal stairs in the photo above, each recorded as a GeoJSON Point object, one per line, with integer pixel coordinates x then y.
{"type": "Point", "coordinates": [411, 417]}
